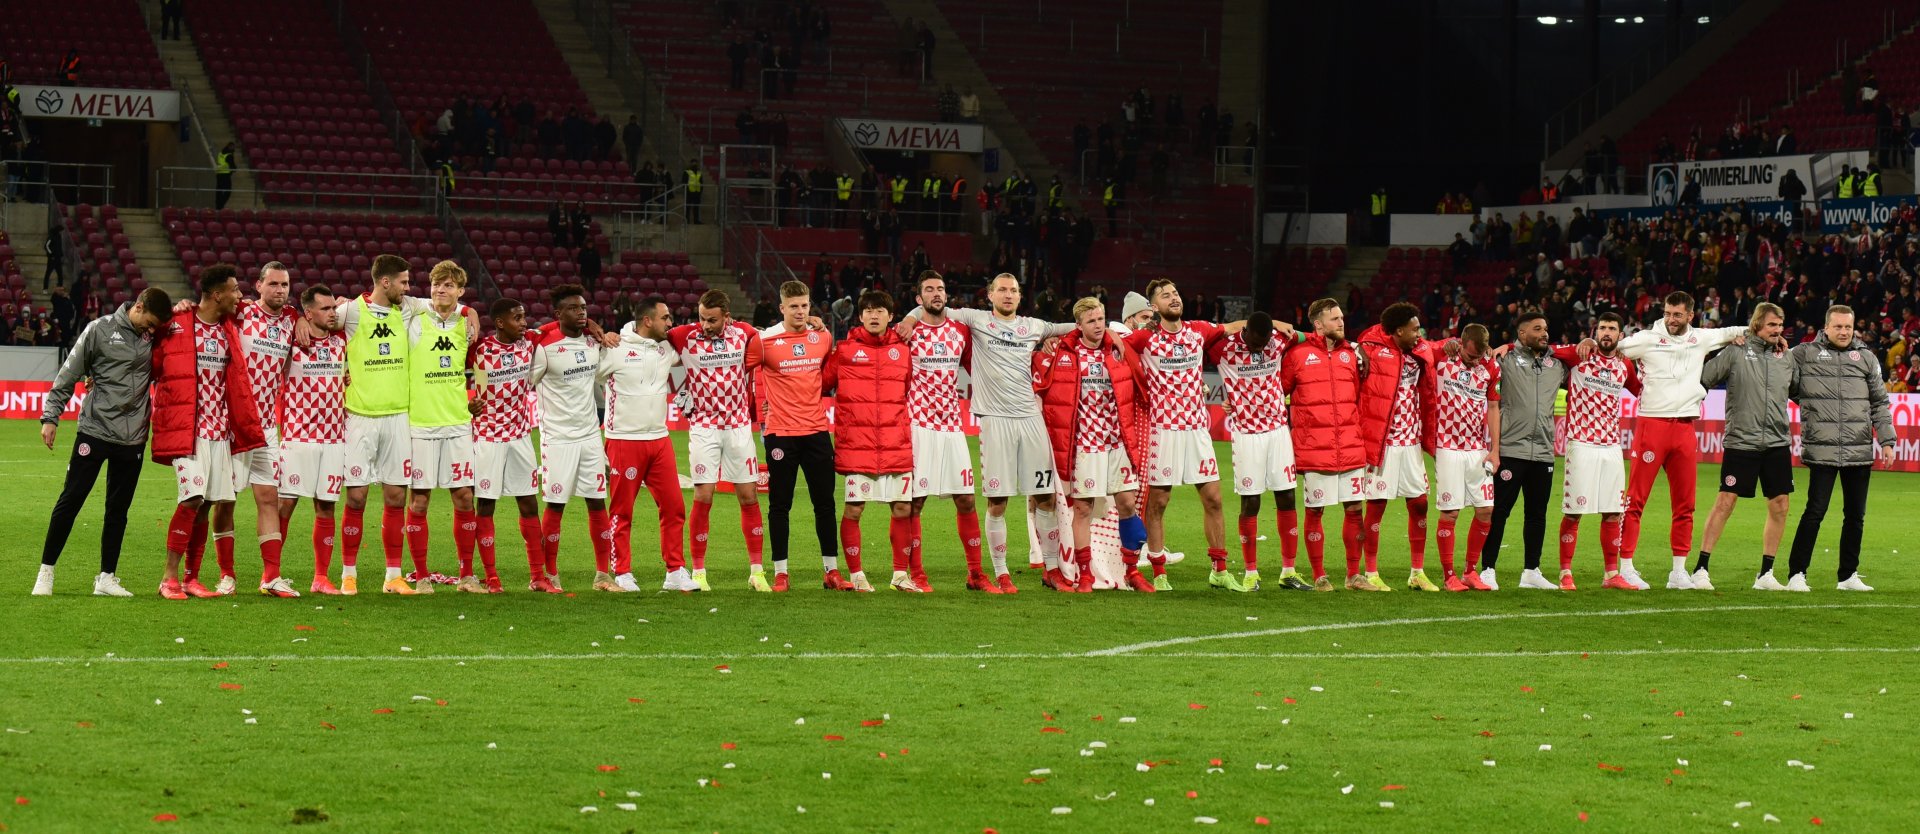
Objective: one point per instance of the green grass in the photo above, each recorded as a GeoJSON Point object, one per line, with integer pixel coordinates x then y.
{"type": "Point", "coordinates": [1699, 700]}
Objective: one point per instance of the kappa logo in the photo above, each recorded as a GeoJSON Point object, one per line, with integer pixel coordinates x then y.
{"type": "Point", "coordinates": [382, 331]}
{"type": "Point", "coordinates": [443, 343]}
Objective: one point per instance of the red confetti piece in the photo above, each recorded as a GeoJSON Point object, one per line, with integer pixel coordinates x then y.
{"type": "Point", "coordinates": [439, 702]}
{"type": "Point", "coordinates": [1613, 767]}
{"type": "Point", "coordinates": [903, 751]}
{"type": "Point", "coordinates": [1487, 733]}
{"type": "Point", "coordinates": [303, 628]}
{"type": "Point", "coordinates": [636, 700]}
{"type": "Point", "coordinates": [1816, 821]}
{"type": "Point", "coordinates": [1288, 701]}
{"type": "Point", "coordinates": [1738, 733]}
{"type": "Point", "coordinates": [84, 725]}
{"type": "Point", "coordinates": [1653, 691]}
{"type": "Point", "coordinates": [231, 687]}
{"type": "Point", "coordinates": [1794, 698]}
{"type": "Point", "coordinates": [609, 768]}
{"type": "Point", "coordinates": [165, 818]}
{"type": "Point", "coordinates": [1258, 694]}
{"type": "Point", "coordinates": [1583, 816]}
{"type": "Point", "coordinates": [383, 711]}
{"type": "Point", "coordinates": [1393, 787]}
{"type": "Point", "coordinates": [325, 725]}
{"type": "Point", "coordinates": [833, 738]}
{"type": "Point", "coordinates": [1262, 821]}
{"type": "Point", "coordinates": [883, 754]}
{"type": "Point", "coordinates": [569, 595]}
{"type": "Point", "coordinates": [989, 831]}
{"type": "Point", "coordinates": [1214, 762]}
{"type": "Point", "coordinates": [873, 722]}
{"type": "Point", "coordinates": [1033, 780]}
{"type": "Point", "coordinates": [1526, 689]}
{"type": "Point", "coordinates": [721, 668]}
{"type": "Point", "coordinates": [1679, 713]}
{"type": "Point", "coordinates": [1046, 716]}
{"type": "Point", "coordinates": [221, 665]}
{"type": "Point", "coordinates": [1584, 656]}
{"type": "Point", "coordinates": [1052, 730]}
{"type": "Point", "coordinates": [1679, 772]}
{"type": "Point", "coordinates": [1193, 794]}
{"type": "Point", "coordinates": [1196, 706]}
{"type": "Point", "coordinates": [1099, 718]}
{"type": "Point", "coordinates": [727, 745]}
{"type": "Point", "coordinates": [20, 800]}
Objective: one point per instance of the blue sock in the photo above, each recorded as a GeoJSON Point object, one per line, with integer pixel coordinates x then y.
{"type": "Point", "coordinates": [1133, 533]}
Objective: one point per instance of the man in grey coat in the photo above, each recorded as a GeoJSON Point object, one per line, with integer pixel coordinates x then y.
{"type": "Point", "coordinates": [1758, 376]}
{"type": "Point", "coordinates": [1846, 425]}
{"type": "Point", "coordinates": [114, 355]}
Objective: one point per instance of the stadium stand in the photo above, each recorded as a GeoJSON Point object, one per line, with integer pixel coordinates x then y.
{"type": "Point", "coordinates": [111, 36]}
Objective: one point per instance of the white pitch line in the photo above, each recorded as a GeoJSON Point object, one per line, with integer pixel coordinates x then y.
{"type": "Point", "coordinates": [967, 656]}
{"type": "Point", "coordinates": [1132, 648]}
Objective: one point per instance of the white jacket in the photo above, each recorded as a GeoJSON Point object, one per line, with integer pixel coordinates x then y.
{"type": "Point", "coordinates": [1670, 366]}
{"type": "Point", "coordinates": [639, 383]}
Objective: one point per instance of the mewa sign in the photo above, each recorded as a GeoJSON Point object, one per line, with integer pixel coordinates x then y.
{"type": "Point", "coordinates": [99, 103]}
{"type": "Point", "coordinates": [880, 135]}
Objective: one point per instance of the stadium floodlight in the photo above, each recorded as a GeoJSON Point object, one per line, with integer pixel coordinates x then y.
{"type": "Point", "coordinates": [1547, 20]}
{"type": "Point", "coordinates": [1619, 20]}
{"type": "Point", "coordinates": [1638, 19]}
{"type": "Point", "coordinates": [1704, 20]}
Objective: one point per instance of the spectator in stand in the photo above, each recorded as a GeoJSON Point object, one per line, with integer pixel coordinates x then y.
{"type": "Point", "coordinates": [605, 136]}
{"type": "Point", "coordinates": [1461, 252]}
{"type": "Point", "coordinates": [549, 136]}
{"type": "Point", "coordinates": [557, 224]}
{"type": "Point", "coordinates": [1786, 144]}
{"type": "Point", "coordinates": [580, 223]}
{"type": "Point", "coordinates": [587, 260]}
{"type": "Point", "coordinates": [632, 137]}
{"type": "Point", "coordinates": [737, 54]}
{"type": "Point", "coordinates": [1592, 165]}
{"type": "Point", "coordinates": [1664, 151]}
{"type": "Point", "coordinates": [1690, 195]}
{"type": "Point", "coordinates": [948, 104]}
{"type": "Point", "coordinates": [923, 43]}
{"type": "Point", "coordinates": [576, 134]}
{"type": "Point", "coordinates": [969, 107]}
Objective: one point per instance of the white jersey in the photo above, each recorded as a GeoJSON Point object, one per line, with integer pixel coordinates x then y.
{"type": "Point", "coordinates": [1670, 367]}
{"type": "Point", "coordinates": [563, 375]}
{"type": "Point", "coordinates": [1003, 361]}
{"type": "Point", "coordinates": [639, 381]}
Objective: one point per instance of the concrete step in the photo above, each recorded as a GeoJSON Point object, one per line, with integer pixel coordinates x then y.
{"type": "Point", "coordinates": [182, 61]}
{"type": "Point", "coordinates": [153, 250]}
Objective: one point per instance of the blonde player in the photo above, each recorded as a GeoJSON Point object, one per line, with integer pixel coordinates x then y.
{"type": "Point", "coordinates": [440, 416]}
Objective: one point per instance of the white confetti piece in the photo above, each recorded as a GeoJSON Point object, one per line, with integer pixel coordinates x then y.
{"type": "Point", "coordinates": [1208, 820]}
{"type": "Point", "coordinates": [1846, 715]}
{"type": "Point", "coordinates": [1386, 805]}
{"type": "Point", "coordinates": [421, 698]}
{"type": "Point", "coordinates": [799, 721]}
{"type": "Point", "coordinates": [727, 766]}
{"type": "Point", "coordinates": [246, 712]}
{"type": "Point", "coordinates": [589, 809]}
{"type": "Point", "coordinates": [713, 610]}
{"type": "Point", "coordinates": [984, 646]}
{"type": "Point", "coordinates": [1040, 771]}
{"type": "Point", "coordinates": [1546, 748]}
{"type": "Point", "coordinates": [156, 702]}
{"type": "Point", "coordinates": [595, 644]}
{"type": "Point", "coordinates": [626, 806]}
{"type": "Point", "coordinates": [463, 616]}
{"type": "Point", "coordinates": [1680, 762]}
{"type": "Point", "coordinates": [1794, 763]}
{"type": "Point", "coordinates": [110, 654]}
{"type": "Point", "coordinates": [826, 776]}
{"type": "Point", "coordinates": [1487, 762]}
{"type": "Point", "coordinates": [1586, 716]}
{"type": "Point", "coordinates": [406, 648]}
{"type": "Point", "coordinates": [725, 671]}
{"type": "Point", "coordinates": [1216, 770]}
{"type": "Point", "coordinates": [1883, 690]}
{"type": "Point", "coordinates": [1726, 703]}
{"type": "Point", "coordinates": [634, 794]}
{"type": "Point", "coordinates": [1286, 721]}
{"type": "Point", "coordinates": [179, 639]}
{"type": "Point", "coordinates": [1736, 825]}
{"type": "Point", "coordinates": [493, 745]}
{"type": "Point", "coordinates": [509, 628]}
{"type": "Point", "coordinates": [1143, 767]}
{"type": "Point", "coordinates": [1127, 719]}
{"type": "Point", "coordinates": [1262, 766]}
{"type": "Point", "coordinates": [299, 639]}
{"type": "Point", "coordinates": [1253, 619]}
{"type": "Point", "coordinates": [1346, 790]}
{"type": "Point", "coordinates": [1317, 688]}
{"type": "Point", "coordinates": [1666, 738]}
{"type": "Point", "coordinates": [253, 721]}
{"type": "Point", "coordinates": [763, 639]}
{"type": "Point", "coordinates": [886, 716]}
{"type": "Point", "coordinates": [1148, 802]}
{"type": "Point", "coordinates": [1742, 677]}
{"type": "Point", "coordinates": [1741, 805]}
{"type": "Point", "coordinates": [1806, 767]}
{"type": "Point", "coordinates": [642, 620]}
{"type": "Point", "coordinates": [703, 782]}
{"type": "Point", "coordinates": [799, 809]}
{"type": "Point", "coordinates": [1261, 707]}
{"type": "Point", "coordinates": [1109, 795]}
{"type": "Point", "coordinates": [1769, 818]}
{"type": "Point", "coordinates": [1062, 811]}
{"type": "Point", "coordinates": [1085, 752]}
{"type": "Point", "coordinates": [787, 645]}
{"type": "Point", "coordinates": [1097, 745]}
{"type": "Point", "coordinates": [619, 636]}
{"type": "Point", "coordinates": [1280, 767]}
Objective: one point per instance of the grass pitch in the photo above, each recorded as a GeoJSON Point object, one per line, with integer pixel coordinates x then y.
{"type": "Point", "coordinates": [812, 711]}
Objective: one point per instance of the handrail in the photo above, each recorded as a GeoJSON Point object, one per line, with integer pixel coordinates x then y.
{"type": "Point", "coordinates": [377, 89]}
{"type": "Point", "coordinates": [612, 42]}
{"type": "Point", "coordinates": [866, 83]}
{"type": "Point", "coordinates": [19, 175]}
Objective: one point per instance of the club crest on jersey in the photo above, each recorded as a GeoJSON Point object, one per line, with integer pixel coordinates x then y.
{"type": "Point", "coordinates": [778, 454]}
{"type": "Point", "coordinates": [799, 350]}
{"type": "Point", "coordinates": [1647, 456]}
{"type": "Point", "coordinates": [273, 331]}
{"type": "Point", "coordinates": [356, 472]}
{"type": "Point", "coordinates": [83, 450]}
{"type": "Point", "coordinates": [294, 479]}
{"type": "Point", "coordinates": [939, 349]}
{"type": "Point", "coordinates": [446, 361]}
{"type": "Point", "coordinates": [385, 349]}
{"type": "Point", "coordinates": [893, 354]}
{"type": "Point", "coordinates": [1853, 355]}
{"type": "Point", "coordinates": [1344, 359]}
{"type": "Point", "coordinates": [812, 339]}
{"type": "Point", "coordinates": [1582, 500]}
{"type": "Point", "coordinates": [1506, 474]}
{"type": "Point", "coordinates": [632, 473]}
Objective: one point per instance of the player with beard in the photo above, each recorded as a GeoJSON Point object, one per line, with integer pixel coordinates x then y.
{"type": "Point", "coordinates": [313, 442]}
{"type": "Point", "coordinates": [1594, 481]}
{"type": "Point", "coordinates": [266, 336]}
{"type": "Point", "coordinates": [942, 464]}
{"type": "Point", "coordinates": [1321, 375]}
{"type": "Point", "coordinates": [1249, 363]}
{"type": "Point", "coordinates": [1759, 444]}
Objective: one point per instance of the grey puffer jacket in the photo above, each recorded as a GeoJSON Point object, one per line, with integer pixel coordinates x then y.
{"type": "Point", "coordinates": [1844, 413]}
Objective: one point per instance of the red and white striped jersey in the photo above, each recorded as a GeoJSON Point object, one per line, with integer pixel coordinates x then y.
{"type": "Point", "coordinates": [1097, 414]}
{"type": "Point", "coordinates": [1465, 388]}
{"type": "Point", "coordinates": [1253, 384]}
{"type": "Point", "coordinates": [1176, 391]}
{"type": "Point", "coordinates": [718, 384]}
{"type": "Point", "coordinates": [933, 390]}
{"type": "Point", "coordinates": [1594, 390]}
{"type": "Point", "coordinates": [211, 355]}
{"type": "Point", "coordinates": [315, 398]}
{"type": "Point", "coordinates": [266, 338]}
{"type": "Point", "coordinates": [505, 409]}
{"type": "Point", "coordinates": [1403, 423]}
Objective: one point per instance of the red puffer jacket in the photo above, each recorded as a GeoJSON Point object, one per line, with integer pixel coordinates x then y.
{"type": "Point", "coordinates": [1381, 387]}
{"type": "Point", "coordinates": [175, 372]}
{"type": "Point", "coordinates": [1323, 390]}
{"type": "Point", "coordinates": [868, 375]}
{"type": "Point", "coordinates": [1056, 376]}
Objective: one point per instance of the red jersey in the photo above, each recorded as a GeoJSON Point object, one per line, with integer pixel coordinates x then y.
{"type": "Point", "coordinates": [316, 392]}
{"type": "Point", "coordinates": [719, 385]}
{"type": "Point", "coordinates": [1403, 422]}
{"type": "Point", "coordinates": [1097, 412]}
{"type": "Point", "coordinates": [933, 391]}
{"type": "Point", "coordinates": [212, 353]}
{"type": "Point", "coordinates": [505, 410]}
{"type": "Point", "coordinates": [1464, 390]}
{"type": "Point", "coordinates": [1176, 393]}
{"type": "Point", "coordinates": [1253, 384]}
{"type": "Point", "coordinates": [267, 338]}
